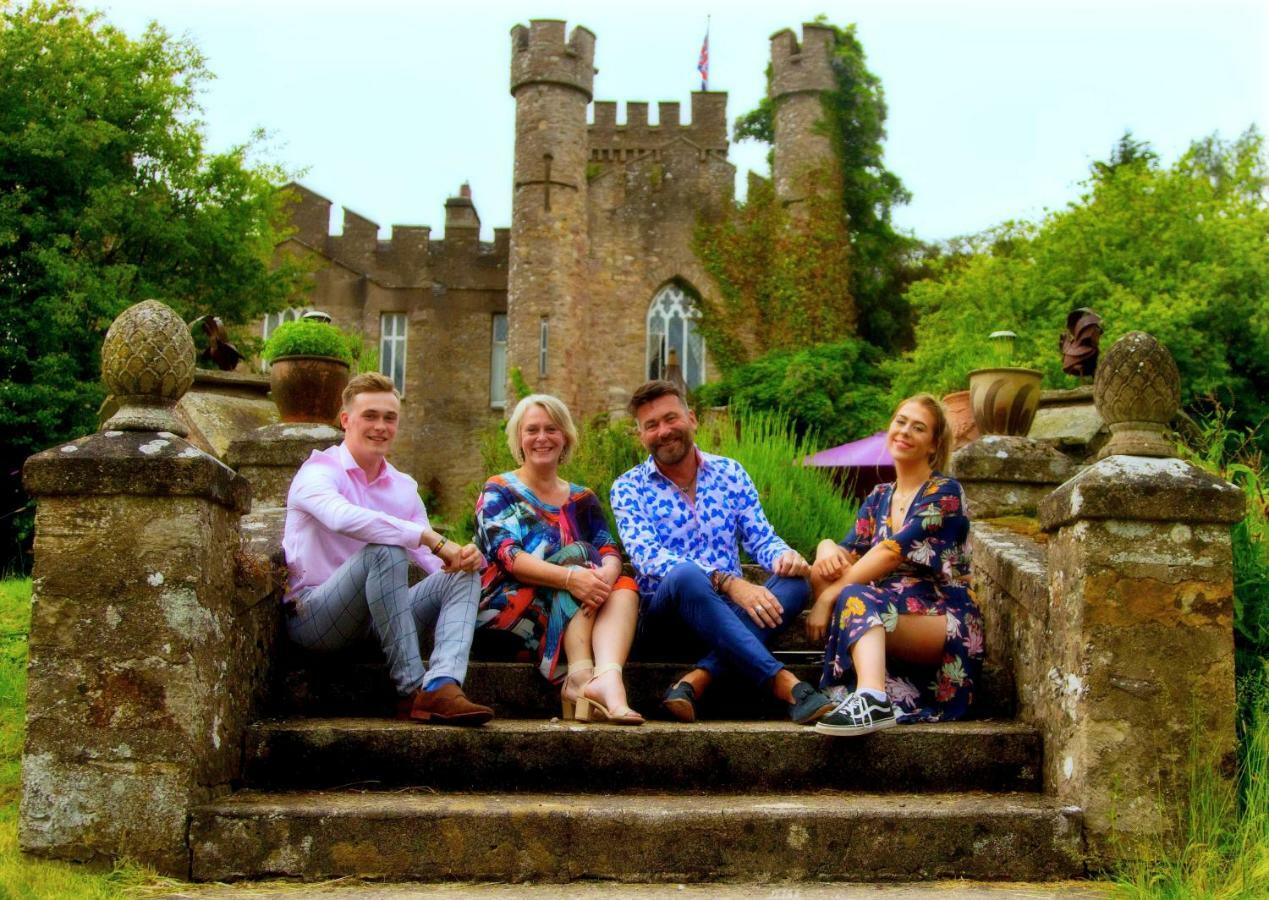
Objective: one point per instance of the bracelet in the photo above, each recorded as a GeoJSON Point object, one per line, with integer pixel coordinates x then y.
{"type": "Point", "coordinates": [439, 544]}
{"type": "Point", "coordinates": [568, 575]}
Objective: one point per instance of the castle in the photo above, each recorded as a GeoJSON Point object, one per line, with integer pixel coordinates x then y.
{"type": "Point", "coordinates": [593, 288]}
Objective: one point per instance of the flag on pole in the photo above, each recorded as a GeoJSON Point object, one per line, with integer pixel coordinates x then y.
{"type": "Point", "coordinates": [702, 65]}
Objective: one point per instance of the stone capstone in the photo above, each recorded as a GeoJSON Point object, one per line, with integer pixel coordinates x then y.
{"type": "Point", "coordinates": [1007, 475]}
{"type": "Point", "coordinates": [1142, 489]}
{"type": "Point", "coordinates": [269, 457]}
{"type": "Point", "coordinates": [134, 463]}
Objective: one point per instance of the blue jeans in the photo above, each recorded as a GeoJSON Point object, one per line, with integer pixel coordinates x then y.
{"type": "Point", "coordinates": [736, 642]}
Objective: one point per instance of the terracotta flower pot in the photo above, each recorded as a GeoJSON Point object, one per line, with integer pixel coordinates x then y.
{"type": "Point", "coordinates": [960, 418]}
{"type": "Point", "coordinates": [1004, 400]}
{"type": "Point", "coordinates": [308, 388]}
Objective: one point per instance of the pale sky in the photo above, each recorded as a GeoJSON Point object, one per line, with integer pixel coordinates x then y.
{"type": "Point", "coordinates": [996, 109]}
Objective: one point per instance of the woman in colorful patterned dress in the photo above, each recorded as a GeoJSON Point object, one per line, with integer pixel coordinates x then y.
{"type": "Point", "coordinates": [895, 593]}
{"type": "Point", "coordinates": [554, 577]}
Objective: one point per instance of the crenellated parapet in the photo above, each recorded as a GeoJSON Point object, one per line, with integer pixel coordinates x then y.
{"type": "Point", "coordinates": [798, 68]}
{"type": "Point", "coordinates": [409, 258]}
{"type": "Point", "coordinates": [540, 54]}
{"type": "Point", "coordinates": [610, 141]}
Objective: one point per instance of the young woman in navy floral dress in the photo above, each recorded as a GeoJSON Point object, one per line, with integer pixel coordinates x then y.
{"type": "Point", "coordinates": [893, 598]}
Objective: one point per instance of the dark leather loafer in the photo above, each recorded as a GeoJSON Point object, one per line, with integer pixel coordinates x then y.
{"type": "Point", "coordinates": [680, 702]}
{"type": "Point", "coordinates": [447, 705]}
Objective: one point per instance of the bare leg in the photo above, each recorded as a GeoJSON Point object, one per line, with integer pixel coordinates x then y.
{"type": "Point", "coordinates": [577, 650]}
{"type": "Point", "coordinates": [611, 638]}
{"type": "Point", "coordinates": [917, 639]}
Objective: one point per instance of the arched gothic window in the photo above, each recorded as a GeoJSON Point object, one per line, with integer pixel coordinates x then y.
{"type": "Point", "coordinates": [673, 338]}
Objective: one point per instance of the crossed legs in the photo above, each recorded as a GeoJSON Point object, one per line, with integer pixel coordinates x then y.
{"type": "Point", "coordinates": [370, 594]}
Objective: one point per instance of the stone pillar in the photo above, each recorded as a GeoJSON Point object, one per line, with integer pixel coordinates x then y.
{"type": "Point", "coordinates": [1139, 649]}
{"type": "Point", "coordinates": [551, 80]}
{"type": "Point", "coordinates": [269, 457]}
{"type": "Point", "coordinates": [800, 74]}
{"type": "Point", "coordinates": [143, 664]}
{"type": "Point", "coordinates": [1008, 475]}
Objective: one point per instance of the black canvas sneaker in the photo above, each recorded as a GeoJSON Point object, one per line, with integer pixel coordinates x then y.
{"type": "Point", "coordinates": [858, 714]}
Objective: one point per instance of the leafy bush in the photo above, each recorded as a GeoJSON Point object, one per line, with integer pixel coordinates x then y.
{"type": "Point", "coordinates": [1178, 252]}
{"type": "Point", "coordinates": [308, 337]}
{"type": "Point", "coordinates": [838, 391]}
{"type": "Point", "coordinates": [801, 502]}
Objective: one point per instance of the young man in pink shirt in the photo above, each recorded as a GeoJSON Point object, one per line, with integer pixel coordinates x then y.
{"type": "Point", "coordinates": [353, 525]}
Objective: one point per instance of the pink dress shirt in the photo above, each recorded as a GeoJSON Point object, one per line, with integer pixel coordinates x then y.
{"type": "Point", "coordinates": [332, 512]}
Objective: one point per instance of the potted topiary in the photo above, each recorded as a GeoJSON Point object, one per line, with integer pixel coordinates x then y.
{"type": "Point", "coordinates": [1005, 398]}
{"type": "Point", "coordinates": [309, 362]}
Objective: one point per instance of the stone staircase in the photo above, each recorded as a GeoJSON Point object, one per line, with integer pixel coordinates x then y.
{"type": "Point", "coordinates": [742, 796]}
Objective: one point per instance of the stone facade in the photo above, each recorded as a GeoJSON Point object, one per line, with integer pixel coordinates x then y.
{"type": "Point", "coordinates": [603, 215]}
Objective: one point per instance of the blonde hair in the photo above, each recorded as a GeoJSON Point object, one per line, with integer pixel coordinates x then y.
{"type": "Point", "coordinates": [558, 413]}
{"type": "Point", "coordinates": [368, 383]}
{"type": "Point", "coordinates": [942, 450]}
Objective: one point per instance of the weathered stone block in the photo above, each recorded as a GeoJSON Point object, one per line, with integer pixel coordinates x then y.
{"type": "Point", "coordinates": [144, 665]}
{"type": "Point", "coordinates": [269, 457]}
{"type": "Point", "coordinates": [1006, 475]}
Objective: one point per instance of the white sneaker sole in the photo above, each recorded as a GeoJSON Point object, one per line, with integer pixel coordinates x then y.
{"type": "Point", "coordinates": [853, 730]}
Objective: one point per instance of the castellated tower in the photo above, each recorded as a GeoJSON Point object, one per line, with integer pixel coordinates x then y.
{"type": "Point", "coordinates": [799, 76]}
{"type": "Point", "coordinates": [551, 80]}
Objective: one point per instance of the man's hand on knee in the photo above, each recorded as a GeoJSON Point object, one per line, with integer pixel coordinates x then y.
{"type": "Point", "coordinates": [761, 605]}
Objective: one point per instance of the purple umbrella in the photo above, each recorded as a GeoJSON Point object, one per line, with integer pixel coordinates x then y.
{"type": "Point", "coordinates": [869, 452]}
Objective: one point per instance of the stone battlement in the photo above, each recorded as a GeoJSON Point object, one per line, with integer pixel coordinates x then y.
{"type": "Point", "coordinates": [612, 141]}
{"type": "Point", "coordinates": [797, 68]}
{"type": "Point", "coordinates": [409, 255]}
{"type": "Point", "coordinates": [540, 54]}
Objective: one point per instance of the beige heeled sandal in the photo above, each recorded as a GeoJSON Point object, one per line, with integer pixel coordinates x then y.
{"type": "Point", "coordinates": [569, 705]}
{"type": "Point", "coordinates": [585, 705]}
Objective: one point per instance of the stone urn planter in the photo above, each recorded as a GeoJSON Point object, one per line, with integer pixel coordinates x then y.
{"type": "Point", "coordinates": [960, 418]}
{"type": "Point", "coordinates": [308, 388]}
{"type": "Point", "coordinates": [309, 364]}
{"type": "Point", "coordinates": [1005, 399]}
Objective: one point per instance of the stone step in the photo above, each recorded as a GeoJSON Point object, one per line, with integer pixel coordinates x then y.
{"type": "Point", "coordinates": [658, 837]}
{"type": "Point", "coordinates": [511, 755]}
{"type": "Point", "coordinates": [330, 687]}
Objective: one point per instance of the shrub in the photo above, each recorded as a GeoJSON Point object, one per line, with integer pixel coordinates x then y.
{"type": "Point", "coordinates": [836, 391]}
{"type": "Point", "coordinates": [307, 337]}
{"type": "Point", "coordinates": [801, 502]}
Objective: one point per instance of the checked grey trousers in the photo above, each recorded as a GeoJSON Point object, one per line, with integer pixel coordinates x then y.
{"type": "Point", "coordinates": [370, 595]}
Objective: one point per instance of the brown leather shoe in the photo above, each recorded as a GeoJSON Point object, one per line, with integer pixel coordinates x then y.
{"type": "Point", "coordinates": [447, 705]}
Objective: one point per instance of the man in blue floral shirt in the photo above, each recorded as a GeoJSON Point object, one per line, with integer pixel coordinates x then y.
{"type": "Point", "coordinates": [680, 513]}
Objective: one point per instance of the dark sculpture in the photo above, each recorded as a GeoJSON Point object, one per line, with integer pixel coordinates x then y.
{"type": "Point", "coordinates": [1079, 343]}
{"type": "Point", "coordinates": [219, 350]}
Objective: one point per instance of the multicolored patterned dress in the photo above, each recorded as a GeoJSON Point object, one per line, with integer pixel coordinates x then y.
{"type": "Point", "coordinates": [510, 520]}
{"type": "Point", "coordinates": [932, 580]}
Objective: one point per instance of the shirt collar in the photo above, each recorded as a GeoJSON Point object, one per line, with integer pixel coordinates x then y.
{"type": "Point", "coordinates": [703, 460]}
{"type": "Point", "coordinates": [350, 465]}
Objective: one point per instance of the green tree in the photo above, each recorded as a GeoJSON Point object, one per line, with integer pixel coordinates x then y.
{"type": "Point", "coordinates": [1178, 251]}
{"type": "Point", "coordinates": [108, 196]}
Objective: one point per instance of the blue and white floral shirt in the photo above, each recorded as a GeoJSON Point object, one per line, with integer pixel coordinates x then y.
{"type": "Point", "coordinates": [660, 528]}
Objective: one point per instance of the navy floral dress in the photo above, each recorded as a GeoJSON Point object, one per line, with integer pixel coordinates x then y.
{"type": "Point", "coordinates": [932, 579]}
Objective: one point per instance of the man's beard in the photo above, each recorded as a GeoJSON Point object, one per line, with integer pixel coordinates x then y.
{"type": "Point", "coordinates": [672, 452]}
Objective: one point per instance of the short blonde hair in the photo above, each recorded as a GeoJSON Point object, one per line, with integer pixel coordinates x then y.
{"type": "Point", "coordinates": [368, 383]}
{"type": "Point", "coordinates": [942, 450]}
{"type": "Point", "coordinates": [558, 413]}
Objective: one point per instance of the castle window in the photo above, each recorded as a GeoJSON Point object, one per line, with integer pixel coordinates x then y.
{"type": "Point", "coordinates": [498, 363]}
{"type": "Point", "coordinates": [273, 320]}
{"type": "Point", "coordinates": [673, 337]}
{"type": "Point", "coordinates": [544, 334]}
{"type": "Point", "coordinates": [392, 348]}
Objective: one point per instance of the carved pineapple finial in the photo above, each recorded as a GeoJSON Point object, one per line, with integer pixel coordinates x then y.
{"type": "Point", "coordinates": [147, 362]}
{"type": "Point", "coordinates": [1137, 390]}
